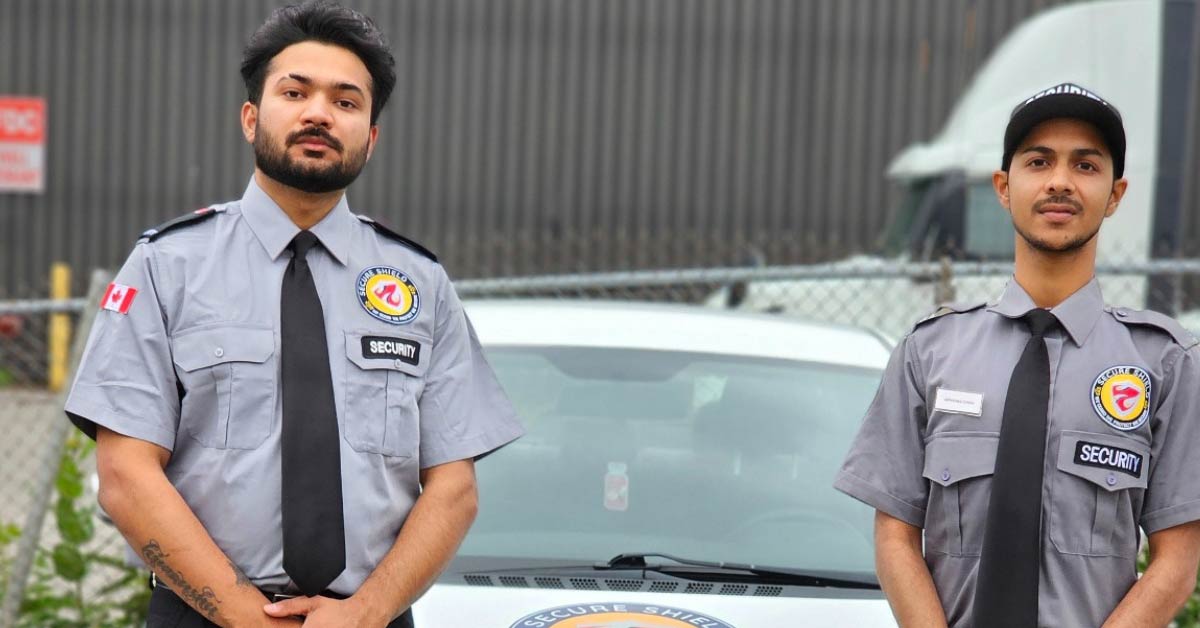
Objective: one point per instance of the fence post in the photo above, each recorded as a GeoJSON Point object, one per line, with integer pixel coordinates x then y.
{"type": "Point", "coordinates": [59, 340]}
{"type": "Point", "coordinates": [943, 292]}
{"type": "Point", "coordinates": [43, 487]}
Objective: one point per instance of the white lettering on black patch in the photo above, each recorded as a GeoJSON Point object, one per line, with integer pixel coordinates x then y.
{"type": "Point", "coordinates": [383, 347]}
{"type": "Point", "coordinates": [1108, 457]}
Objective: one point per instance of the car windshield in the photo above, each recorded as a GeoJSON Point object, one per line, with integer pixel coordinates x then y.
{"type": "Point", "coordinates": [712, 457]}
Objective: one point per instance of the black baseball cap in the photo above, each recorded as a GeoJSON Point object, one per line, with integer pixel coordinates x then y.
{"type": "Point", "coordinates": [1067, 100]}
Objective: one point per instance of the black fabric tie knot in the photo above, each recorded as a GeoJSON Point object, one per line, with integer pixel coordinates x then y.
{"type": "Point", "coordinates": [300, 245]}
{"type": "Point", "coordinates": [314, 538]}
{"type": "Point", "coordinates": [1006, 590]}
{"type": "Point", "coordinates": [1040, 321]}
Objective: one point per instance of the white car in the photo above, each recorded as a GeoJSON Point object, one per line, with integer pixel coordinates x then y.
{"type": "Point", "coordinates": [676, 473]}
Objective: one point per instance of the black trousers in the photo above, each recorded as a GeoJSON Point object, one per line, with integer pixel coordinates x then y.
{"type": "Point", "coordinates": [167, 610]}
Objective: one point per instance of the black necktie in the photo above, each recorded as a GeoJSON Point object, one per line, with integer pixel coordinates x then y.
{"type": "Point", "coordinates": [314, 539]}
{"type": "Point", "coordinates": [1006, 593]}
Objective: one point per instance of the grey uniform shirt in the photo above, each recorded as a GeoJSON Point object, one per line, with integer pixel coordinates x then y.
{"type": "Point", "coordinates": [193, 366]}
{"type": "Point", "coordinates": [1122, 450]}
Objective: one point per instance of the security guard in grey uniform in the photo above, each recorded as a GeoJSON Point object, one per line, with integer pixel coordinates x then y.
{"type": "Point", "coordinates": [1030, 437]}
{"type": "Point", "coordinates": [287, 397]}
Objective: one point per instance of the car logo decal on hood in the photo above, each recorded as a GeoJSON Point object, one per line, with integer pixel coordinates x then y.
{"type": "Point", "coordinates": [618, 615]}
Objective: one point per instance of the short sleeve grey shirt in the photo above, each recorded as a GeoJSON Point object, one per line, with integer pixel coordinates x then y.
{"type": "Point", "coordinates": [1121, 452]}
{"type": "Point", "coordinates": [192, 365]}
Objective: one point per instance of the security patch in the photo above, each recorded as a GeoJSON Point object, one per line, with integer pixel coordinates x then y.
{"type": "Point", "coordinates": [1108, 457]}
{"type": "Point", "coordinates": [383, 347]}
{"type": "Point", "coordinates": [388, 295]}
{"type": "Point", "coordinates": [1121, 397]}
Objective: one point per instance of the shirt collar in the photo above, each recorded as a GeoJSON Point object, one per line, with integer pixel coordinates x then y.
{"type": "Point", "coordinates": [275, 230]}
{"type": "Point", "coordinates": [1077, 314]}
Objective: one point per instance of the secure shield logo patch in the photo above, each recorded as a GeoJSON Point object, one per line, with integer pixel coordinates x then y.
{"type": "Point", "coordinates": [388, 295]}
{"type": "Point", "coordinates": [618, 615]}
{"type": "Point", "coordinates": [1121, 397]}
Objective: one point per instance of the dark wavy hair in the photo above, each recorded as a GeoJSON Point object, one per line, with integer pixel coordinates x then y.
{"type": "Point", "coordinates": [327, 23]}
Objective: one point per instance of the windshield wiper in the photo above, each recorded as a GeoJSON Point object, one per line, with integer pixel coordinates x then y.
{"type": "Point", "coordinates": [708, 570]}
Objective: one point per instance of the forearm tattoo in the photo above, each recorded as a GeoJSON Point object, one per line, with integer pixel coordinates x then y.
{"type": "Point", "coordinates": [242, 579]}
{"type": "Point", "coordinates": [203, 600]}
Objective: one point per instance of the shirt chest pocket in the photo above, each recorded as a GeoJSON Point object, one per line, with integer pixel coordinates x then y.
{"type": "Point", "coordinates": [959, 467]}
{"type": "Point", "coordinates": [383, 384]}
{"type": "Point", "coordinates": [1091, 498]}
{"type": "Point", "coordinates": [229, 378]}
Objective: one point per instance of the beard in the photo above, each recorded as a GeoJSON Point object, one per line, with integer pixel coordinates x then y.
{"type": "Point", "coordinates": [1044, 245]}
{"type": "Point", "coordinates": [272, 158]}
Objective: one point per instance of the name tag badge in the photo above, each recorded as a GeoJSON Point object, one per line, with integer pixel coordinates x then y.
{"type": "Point", "coordinates": [958, 402]}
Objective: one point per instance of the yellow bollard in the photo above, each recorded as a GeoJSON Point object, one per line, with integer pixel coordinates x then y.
{"type": "Point", "coordinates": [60, 327]}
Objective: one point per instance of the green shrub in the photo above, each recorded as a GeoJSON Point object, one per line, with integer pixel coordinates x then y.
{"type": "Point", "coordinates": [116, 594]}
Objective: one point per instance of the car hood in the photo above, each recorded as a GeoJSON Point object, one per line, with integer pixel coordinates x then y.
{"type": "Point", "coordinates": [463, 606]}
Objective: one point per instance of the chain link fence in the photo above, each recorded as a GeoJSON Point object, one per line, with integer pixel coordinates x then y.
{"type": "Point", "coordinates": [885, 296]}
{"type": "Point", "coordinates": [881, 295]}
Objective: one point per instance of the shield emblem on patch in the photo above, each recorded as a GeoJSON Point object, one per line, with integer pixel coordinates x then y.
{"type": "Point", "coordinates": [1121, 397]}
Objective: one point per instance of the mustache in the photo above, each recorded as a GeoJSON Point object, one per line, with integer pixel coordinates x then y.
{"type": "Point", "coordinates": [317, 132]}
{"type": "Point", "coordinates": [1058, 200]}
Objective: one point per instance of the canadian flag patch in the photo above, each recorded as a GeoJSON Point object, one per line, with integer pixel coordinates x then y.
{"type": "Point", "coordinates": [118, 298]}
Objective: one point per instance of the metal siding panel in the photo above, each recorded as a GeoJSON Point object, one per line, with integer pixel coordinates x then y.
{"type": "Point", "coordinates": [61, 144]}
{"type": "Point", "coordinates": [545, 230]}
{"type": "Point", "coordinates": [418, 178]}
{"type": "Point", "coordinates": [834, 147]}
{"type": "Point", "coordinates": [627, 49]}
{"type": "Point", "coordinates": [507, 219]}
{"type": "Point", "coordinates": [777, 124]}
{"type": "Point", "coordinates": [871, 210]}
{"type": "Point", "coordinates": [398, 125]}
{"type": "Point", "coordinates": [788, 126]}
{"type": "Point", "coordinates": [11, 209]}
{"type": "Point", "coordinates": [1190, 202]}
{"type": "Point", "coordinates": [715, 181]}
{"type": "Point", "coordinates": [684, 210]}
{"type": "Point", "coordinates": [641, 109]}
{"type": "Point", "coordinates": [588, 147]}
{"type": "Point", "coordinates": [524, 135]}
{"type": "Point", "coordinates": [106, 130]}
{"type": "Point", "coordinates": [733, 204]}
{"type": "Point", "coordinates": [661, 126]}
{"type": "Point", "coordinates": [757, 113]}
{"type": "Point", "coordinates": [541, 122]}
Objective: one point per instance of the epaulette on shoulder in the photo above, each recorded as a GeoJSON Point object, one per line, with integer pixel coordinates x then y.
{"type": "Point", "coordinates": [951, 308]}
{"type": "Point", "coordinates": [195, 217]}
{"type": "Point", "coordinates": [388, 233]}
{"type": "Point", "coordinates": [1150, 318]}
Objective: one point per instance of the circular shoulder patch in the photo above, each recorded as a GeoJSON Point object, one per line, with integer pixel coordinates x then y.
{"type": "Point", "coordinates": [618, 615]}
{"type": "Point", "coordinates": [388, 294]}
{"type": "Point", "coordinates": [1121, 397]}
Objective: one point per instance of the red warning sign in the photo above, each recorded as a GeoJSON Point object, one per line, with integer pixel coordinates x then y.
{"type": "Point", "coordinates": [22, 144]}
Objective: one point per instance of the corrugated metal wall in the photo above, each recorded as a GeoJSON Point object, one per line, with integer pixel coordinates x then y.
{"type": "Point", "coordinates": [1188, 174]}
{"type": "Point", "coordinates": [525, 136]}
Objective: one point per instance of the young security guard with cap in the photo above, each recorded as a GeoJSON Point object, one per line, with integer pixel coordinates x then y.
{"type": "Point", "coordinates": [287, 398]}
{"type": "Point", "coordinates": [1030, 437]}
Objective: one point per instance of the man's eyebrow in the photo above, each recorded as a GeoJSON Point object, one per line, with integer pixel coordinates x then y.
{"type": "Point", "coordinates": [304, 80]}
{"type": "Point", "coordinates": [1078, 152]}
{"type": "Point", "coordinates": [299, 78]}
